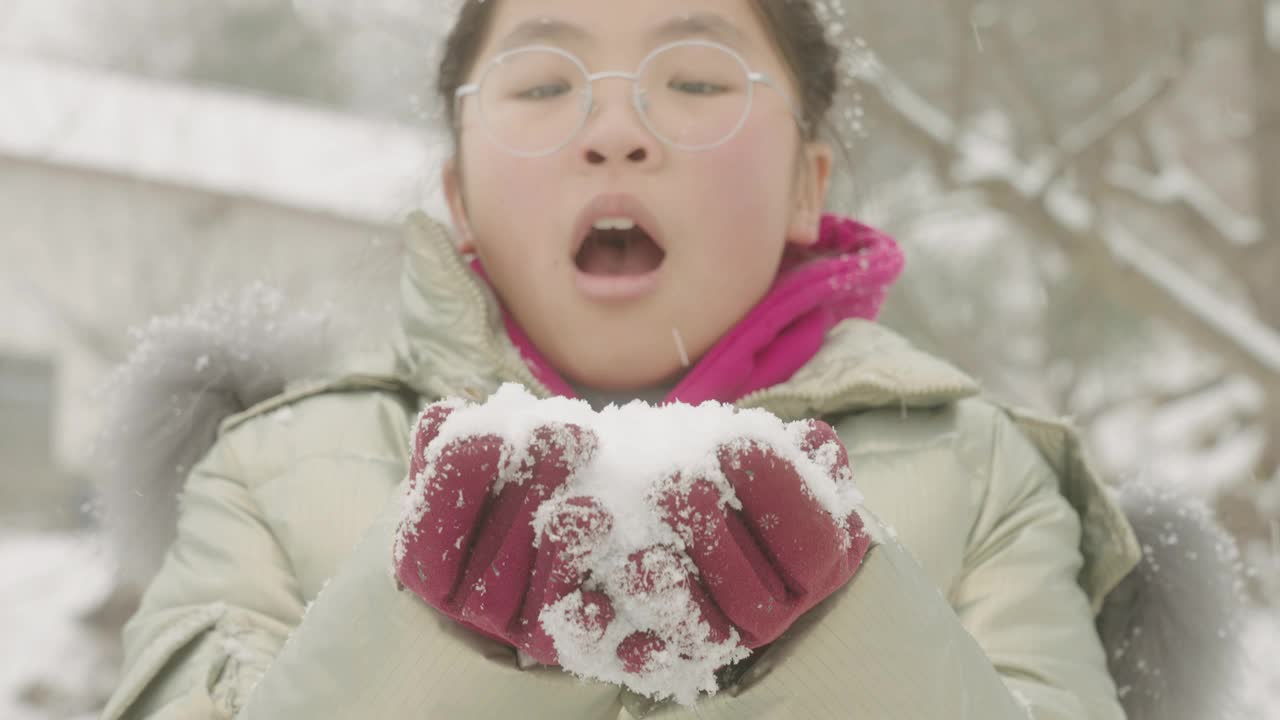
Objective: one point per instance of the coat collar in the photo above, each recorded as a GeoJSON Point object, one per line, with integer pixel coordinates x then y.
{"type": "Point", "coordinates": [454, 343]}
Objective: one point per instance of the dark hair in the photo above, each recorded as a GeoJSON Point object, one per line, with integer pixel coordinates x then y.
{"type": "Point", "coordinates": [793, 25]}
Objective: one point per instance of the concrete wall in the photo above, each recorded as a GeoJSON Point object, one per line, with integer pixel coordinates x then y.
{"type": "Point", "coordinates": [88, 256]}
{"type": "Point", "coordinates": [34, 491]}
{"type": "Point", "coordinates": [106, 230]}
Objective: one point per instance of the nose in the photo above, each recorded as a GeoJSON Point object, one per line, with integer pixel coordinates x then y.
{"type": "Point", "coordinates": [615, 132]}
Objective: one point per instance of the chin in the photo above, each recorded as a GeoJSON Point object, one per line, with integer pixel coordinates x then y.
{"type": "Point", "coordinates": [636, 373]}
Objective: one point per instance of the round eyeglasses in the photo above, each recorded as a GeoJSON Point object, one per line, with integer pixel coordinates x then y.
{"type": "Point", "coordinates": [693, 95]}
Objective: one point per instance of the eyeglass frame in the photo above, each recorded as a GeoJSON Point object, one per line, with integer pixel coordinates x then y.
{"type": "Point", "coordinates": [637, 97]}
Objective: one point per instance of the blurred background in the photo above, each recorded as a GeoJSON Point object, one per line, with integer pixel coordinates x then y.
{"type": "Point", "coordinates": [1088, 193]}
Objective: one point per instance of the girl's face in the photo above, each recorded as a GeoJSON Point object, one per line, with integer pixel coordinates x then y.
{"type": "Point", "coordinates": [623, 310]}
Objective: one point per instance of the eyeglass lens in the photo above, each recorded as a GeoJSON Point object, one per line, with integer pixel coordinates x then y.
{"type": "Point", "coordinates": [691, 96]}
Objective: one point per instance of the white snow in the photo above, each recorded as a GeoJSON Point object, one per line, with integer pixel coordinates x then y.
{"type": "Point", "coordinates": [686, 663]}
{"type": "Point", "coordinates": [53, 662]}
{"type": "Point", "coordinates": [643, 445]}
{"type": "Point", "coordinates": [642, 451]}
{"type": "Point", "coordinates": [1261, 692]}
{"type": "Point", "coordinates": [218, 141]}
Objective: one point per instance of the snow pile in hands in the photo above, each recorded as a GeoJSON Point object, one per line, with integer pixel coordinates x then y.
{"type": "Point", "coordinates": [643, 451]}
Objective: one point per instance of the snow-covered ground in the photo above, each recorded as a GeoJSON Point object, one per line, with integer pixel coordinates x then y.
{"type": "Point", "coordinates": [1261, 692]}
{"type": "Point", "coordinates": [61, 645]}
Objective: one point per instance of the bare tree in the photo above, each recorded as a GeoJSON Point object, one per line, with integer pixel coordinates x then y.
{"type": "Point", "coordinates": [1105, 176]}
{"type": "Point", "coordinates": [1264, 265]}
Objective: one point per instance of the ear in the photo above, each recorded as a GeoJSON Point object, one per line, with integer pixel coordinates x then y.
{"type": "Point", "coordinates": [813, 177]}
{"type": "Point", "coordinates": [451, 181]}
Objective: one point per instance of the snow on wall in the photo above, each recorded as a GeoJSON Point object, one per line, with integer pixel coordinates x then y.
{"type": "Point", "coordinates": [215, 141]}
{"type": "Point", "coordinates": [125, 198]}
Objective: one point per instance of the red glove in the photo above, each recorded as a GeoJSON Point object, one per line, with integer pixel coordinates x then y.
{"type": "Point", "coordinates": [754, 570]}
{"type": "Point", "coordinates": [782, 553]}
{"type": "Point", "coordinates": [470, 553]}
{"type": "Point", "coordinates": [653, 592]}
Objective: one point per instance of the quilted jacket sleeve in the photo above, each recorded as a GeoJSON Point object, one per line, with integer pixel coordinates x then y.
{"type": "Point", "coordinates": [223, 632]}
{"type": "Point", "coordinates": [1020, 594]}
{"type": "Point", "coordinates": [217, 612]}
{"type": "Point", "coordinates": [1013, 637]}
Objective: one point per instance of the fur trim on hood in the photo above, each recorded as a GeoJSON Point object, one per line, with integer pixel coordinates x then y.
{"type": "Point", "coordinates": [187, 373]}
{"type": "Point", "coordinates": [1171, 630]}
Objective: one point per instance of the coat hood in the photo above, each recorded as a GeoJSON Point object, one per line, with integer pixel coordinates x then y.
{"type": "Point", "coordinates": [188, 377]}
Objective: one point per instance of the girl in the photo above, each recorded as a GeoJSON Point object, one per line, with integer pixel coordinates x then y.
{"type": "Point", "coordinates": [639, 190]}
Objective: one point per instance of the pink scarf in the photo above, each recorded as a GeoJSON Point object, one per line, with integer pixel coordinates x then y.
{"type": "Point", "coordinates": [846, 274]}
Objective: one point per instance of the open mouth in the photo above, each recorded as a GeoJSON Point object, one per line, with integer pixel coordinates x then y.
{"type": "Point", "coordinates": [618, 247]}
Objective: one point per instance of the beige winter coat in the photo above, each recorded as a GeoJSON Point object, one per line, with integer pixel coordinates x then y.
{"type": "Point", "coordinates": [277, 600]}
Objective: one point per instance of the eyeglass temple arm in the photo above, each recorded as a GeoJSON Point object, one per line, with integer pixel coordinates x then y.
{"type": "Point", "coordinates": [462, 92]}
{"type": "Point", "coordinates": [759, 77]}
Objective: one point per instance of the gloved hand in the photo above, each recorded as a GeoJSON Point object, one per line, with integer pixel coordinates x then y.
{"type": "Point", "coordinates": [743, 574]}
{"type": "Point", "coordinates": [782, 553]}
{"type": "Point", "coordinates": [469, 552]}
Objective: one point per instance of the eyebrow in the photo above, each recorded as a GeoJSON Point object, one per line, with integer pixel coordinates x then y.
{"type": "Point", "coordinates": [543, 30]}
{"type": "Point", "coordinates": [551, 30]}
{"type": "Point", "coordinates": [708, 25]}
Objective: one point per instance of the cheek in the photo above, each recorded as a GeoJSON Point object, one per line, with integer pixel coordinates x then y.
{"type": "Point", "coordinates": [752, 172]}
{"type": "Point", "coordinates": [507, 201]}
{"type": "Point", "coordinates": [748, 184]}
{"type": "Point", "coordinates": [497, 186]}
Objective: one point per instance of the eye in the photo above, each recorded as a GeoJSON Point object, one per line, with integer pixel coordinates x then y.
{"type": "Point", "coordinates": [697, 87]}
{"type": "Point", "coordinates": [548, 91]}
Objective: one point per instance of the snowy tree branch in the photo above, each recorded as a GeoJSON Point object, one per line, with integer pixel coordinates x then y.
{"type": "Point", "coordinates": [926, 124]}
{"type": "Point", "coordinates": [1120, 111]}
{"type": "Point", "coordinates": [1152, 396]}
{"type": "Point", "coordinates": [1006, 44]}
{"type": "Point", "coordinates": [964, 63]}
{"type": "Point", "coordinates": [1141, 274]}
{"type": "Point", "coordinates": [1175, 185]}
{"type": "Point", "coordinates": [1253, 341]}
